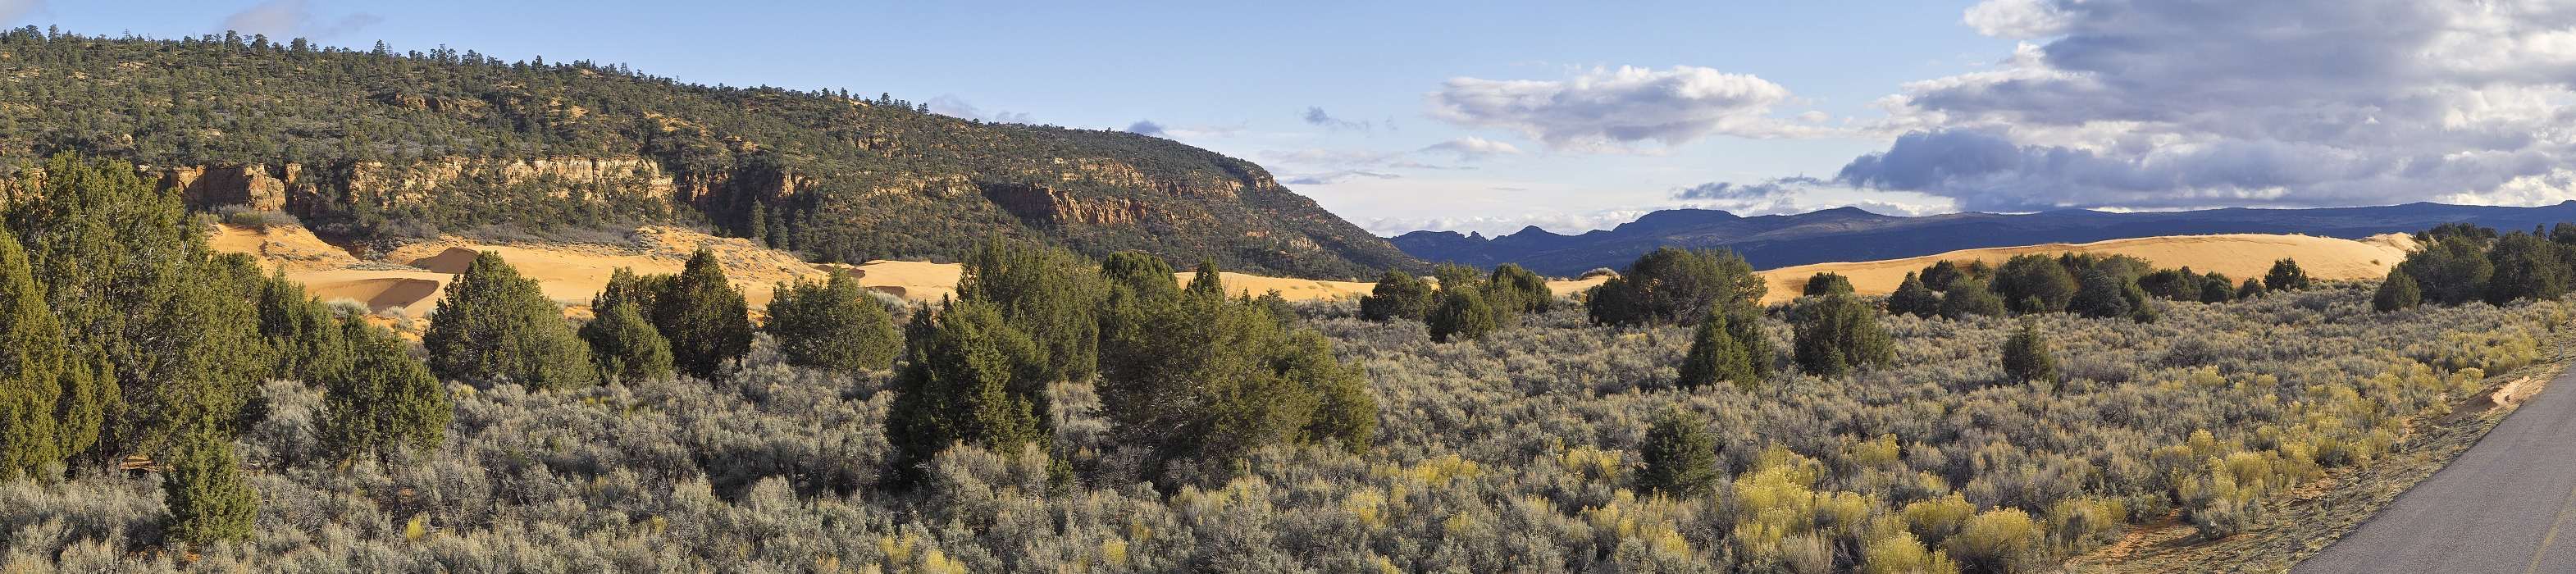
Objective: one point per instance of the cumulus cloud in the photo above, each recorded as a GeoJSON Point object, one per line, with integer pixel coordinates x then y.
{"type": "Point", "coordinates": [955, 107]}
{"type": "Point", "coordinates": [294, 18]}
{"type": "Point", "coordinates": [2144, 104]}
{"type": "Point", "coordinates": [1315, 116]}
{"type": "Point", "coordinates": [1746, 191]}
{"type": "Point", "coordinates": [1333, 177]}
{"type": "Point", "coordinates": [1801, 194]}
{"type": "Point", "coordinates": [1562, 223]}
{"type": "Point", "coordinates": [1473, 148]}
{"type": "Point", "coordinates": [1157, 129]}
{"type": "Point", "coordinates": [1611, 109]}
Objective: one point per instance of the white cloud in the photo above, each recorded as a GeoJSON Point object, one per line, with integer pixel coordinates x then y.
{"type": "Point", "coordinates": [1562, 223]}
{"type": "Point", "coordinates": [2145, 104]}
{"type": "Point", "coordinates": [1473, 148]}
{"type": "Point", "coordinates": [2016, 18]}
{"type": "Point", "coordinates": [1157, 129]}
{"type": "Point", "coordinates": [1315, 116]}
{"type": "Point", "coordinates": [1333, 177]}
{"type": "Point", "coordinates": [955, 107]}
{"type": "Point", "coordinates": [1612, 109]}
{"type": "Point", "coordinates": [282, 19]}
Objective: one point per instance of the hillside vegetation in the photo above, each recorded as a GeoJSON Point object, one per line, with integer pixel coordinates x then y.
{"type": "Point", "coordinates": [387, 146]}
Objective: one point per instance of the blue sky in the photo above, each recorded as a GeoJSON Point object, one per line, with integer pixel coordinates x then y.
{"type": "Point", "coordinates": [1489, 116]}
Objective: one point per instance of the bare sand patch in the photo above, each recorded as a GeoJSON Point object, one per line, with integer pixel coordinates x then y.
{"type": "Point", "coordinates": [2239, 256]}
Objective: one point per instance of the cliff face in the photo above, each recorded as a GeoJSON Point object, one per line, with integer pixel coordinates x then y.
{"type": "Point", "coordinates": [391, 148]}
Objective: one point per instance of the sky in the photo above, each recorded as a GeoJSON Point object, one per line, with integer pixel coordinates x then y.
{"type": "Point", "coordinates": [1492, 116]}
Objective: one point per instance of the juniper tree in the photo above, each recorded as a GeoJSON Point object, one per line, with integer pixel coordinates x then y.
{"type": "Point", "coordinates": [2526, 267]}
{"type": "Point", "coordinates": [2099, 295]}
{"type": "Point", "coordinates": [1672, 285]}
{"type": "Point", "coordinates": [623, 342]}
{"type": "Point", "coordinates": [2216, 288]}
{"type": "Point", "coordinates": [2034, 284]}
{"type": "Point", "coordinates": [1717, 356]}
{"type": "Point", "coordinates": [1140, 272]}
{"type": "Point", "coordinates": [124, 264]}
{"type": "Point", "coordinates": [1525, 290]}
{"type": "Point", "coordinates": [1822, 284]}
{"type": "Point", "coordinates": [962, 384]}
{"type": "Point", "coordinates": [1970, 297]}
{"type": "Point", "coordinates": [1198, 378]}
{"type": "Point", "coordinates": [1913, 297]}
{"type": "Point", "coordinates": [384, 400]}
{"type": "Point", "coordinates": [2396, 292]}
{"type": "Point", "coordinates": [1941, 273]}
{"type": "Point", "coordinates": [2285, 276]}
{"type": "Point", "coordinates": [209, 502]}
{"type": "Point", "coordinates": [32, 368]}
{"type": "Point", "coordinates": [2450, 270]}
{"type": "Point", "coordinates": [1397, 296]}
{"type": "Point", "coordinates": [704, 317]}
{"type": "Point", "coordinates": [1680, 455]}
{"type": "Point", "coordinates": [1048, 293]}
{"type": "Point", "coordinates": [1462, 314]}
{"type": "Point", "coordinates": [1837, 334]}
{"type": "Point", "coordinates": [2026, 356]}
{"type": "Point", "coordinates": [303, 333]}
{"type": "Point", "coordinates": [832, 324]}
{"type": "Point", "coordinates": [495, 326]}
{"type": "Point", "coordinates": [2250, 289]}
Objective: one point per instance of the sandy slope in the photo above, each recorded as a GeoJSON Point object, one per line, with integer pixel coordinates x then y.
{"type": "Point", "coordinates": [413, 277]}
{"type": "Point", "coordinates": [2238, 255]}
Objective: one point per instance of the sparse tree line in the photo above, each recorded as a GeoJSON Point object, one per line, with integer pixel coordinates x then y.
{"type": "Point", "coordinates": [2460, 263]}
{"type": "Point", "coordinates": [127, 335]}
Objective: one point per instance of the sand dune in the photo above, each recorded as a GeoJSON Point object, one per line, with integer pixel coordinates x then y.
{"type": "Point", "coordinates": [2238, 255]}
{"type": "Point", "coordinates": [413, 277]}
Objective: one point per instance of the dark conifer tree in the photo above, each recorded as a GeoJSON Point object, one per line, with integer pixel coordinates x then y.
{"type": "Point", "coordinates": [962, 384]}
{"type": "Point", "coordinates": [209, 502]}
{"type": "Point", "coordinates": [2216, 288]}
{"type": "Point", "coordinates": [303, 333]}
{"type": "Point", "coordinates": [1838, 334]}
{"type": "Point", "coordinates": [833, 324]}
{"type": "Point", "coordinates": [385, 400]}
{"type": "Point", "coordinates": [1397, 296]}
{"type": "Point", "coordinates": [2099, 295]}
{"type": "Point", "coordinates": [1717, 356]}
{"type": "Point", "coordinates": [1680, 455]}
{"type": "Point", "coordinates": [32, 368]}
{"type": "Point", "coordinates": [2285, 276]}
{"type": "Point", "coordinates": [1912, 297]}
{"type": "Point", "coordinates": [2026, 356]}
{"type": "Point", "coordinates": [1822, 284]}
{"type": "Point", "coordinates": [1970, 297]}
{"type": "Point", "coordinates": [2034, 284]}
{"type": "Point", "coordinates": [1672, 285]}
{"type": "Point", "coordinates": [495, 326]}
{"type": "Point", "coordinates": [622, 340]}
{"type": "Point", "coordinates": [2396, 292]}
{"type": "Point", "coordinates": [1527, 292]}
{"type": "Point", "coordinates": [704, 317]}
{"type": "Point", "coordinates": [1462, 314]}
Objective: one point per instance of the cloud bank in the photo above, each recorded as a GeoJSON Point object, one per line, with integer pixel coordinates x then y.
{"type": "Point", "coordinates": [282, 19]}
{"type": "Point", "coordinates": [1613, 109]}
{"type": "Point", "coordinates": [2292, 103]}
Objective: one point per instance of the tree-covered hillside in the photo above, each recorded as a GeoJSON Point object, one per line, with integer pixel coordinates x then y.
{"type": "Point", "coordinates": [384, 144]}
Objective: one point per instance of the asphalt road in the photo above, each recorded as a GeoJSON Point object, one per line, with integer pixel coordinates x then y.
{"type": "Point", "coordinates": [2507, 505]}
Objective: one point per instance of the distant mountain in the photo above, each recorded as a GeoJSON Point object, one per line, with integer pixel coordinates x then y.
{"type": "Point", "coordinates": [1850, 234]}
